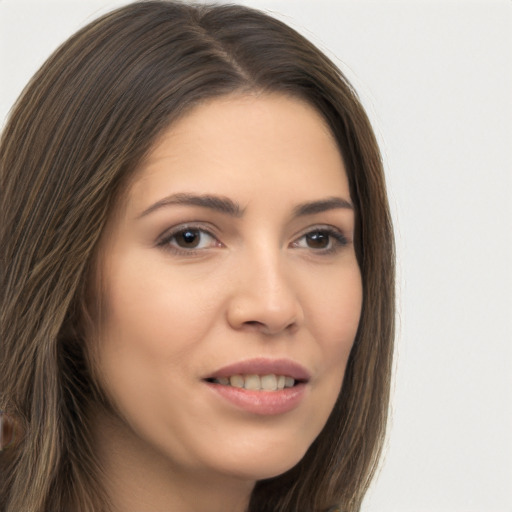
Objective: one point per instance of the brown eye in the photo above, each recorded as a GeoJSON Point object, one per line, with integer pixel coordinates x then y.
{"type": "Point", "coordinates": [188, 238]}
{"type": "Point", "coordinates": [318, 240]}
{"type": "Point", "coordinates": [322, 240]}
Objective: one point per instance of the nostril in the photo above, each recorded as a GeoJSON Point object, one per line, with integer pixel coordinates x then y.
{"type": "Point", "coordinates": [269, 329]}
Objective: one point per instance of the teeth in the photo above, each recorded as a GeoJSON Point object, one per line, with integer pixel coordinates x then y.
{"type": "Point", "coordinates": [288, 382]}
{"type": "Point", "coordinates": [237, 381]}
{"type": "Point", "coordinates": [270, 382]}
{"type": "Point", "coordinates": [252, 382]}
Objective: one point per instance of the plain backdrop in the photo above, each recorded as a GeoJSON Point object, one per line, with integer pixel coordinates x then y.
{"type": "Point", "coordinates": [436, 79]}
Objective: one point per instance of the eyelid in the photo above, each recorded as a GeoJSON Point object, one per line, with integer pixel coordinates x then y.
{"type": "Point", "coordinates": [340, 238]}
{"type": "Point", "coordinates": [165, 238]}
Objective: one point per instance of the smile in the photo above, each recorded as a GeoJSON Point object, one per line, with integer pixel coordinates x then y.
{"type": "Point", "coordinates": [269, 382]}
{"type": "Point", "coordinates": [261, 386]}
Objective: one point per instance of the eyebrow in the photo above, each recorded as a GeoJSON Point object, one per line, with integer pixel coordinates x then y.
{"type": "Point", "coordinates": [213, 202]}
{"type": "Point", "coordinates": [323, 205]}
{"type": "Point", "coordinates": [233, 209]}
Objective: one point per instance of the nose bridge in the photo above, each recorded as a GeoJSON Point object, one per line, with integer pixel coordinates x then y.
{"type": "Point", "coordinates": [271, 279]}
{"type": "Point", "coordinates": [265, 296]}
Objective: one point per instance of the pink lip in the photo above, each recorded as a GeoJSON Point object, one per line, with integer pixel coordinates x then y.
{"type": "Point", "coordinates": [263, 366]}
{"type": "Point", "coordinates": [262, 402]}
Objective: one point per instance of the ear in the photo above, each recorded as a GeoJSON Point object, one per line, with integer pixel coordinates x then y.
{"type": "Point", "coordinates": [7, 431]}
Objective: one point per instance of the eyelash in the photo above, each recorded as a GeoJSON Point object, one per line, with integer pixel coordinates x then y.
{"type": "Point", "coordinates": [337, 240]}
{"type": "Point", "coordinates": [165, 241]}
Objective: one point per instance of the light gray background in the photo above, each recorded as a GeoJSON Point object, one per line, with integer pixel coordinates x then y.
{"type": "Point", "coordinates": [436, 79]}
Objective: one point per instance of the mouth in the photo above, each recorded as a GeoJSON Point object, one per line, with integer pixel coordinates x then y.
{"type": "Point", "coordinates": [261, 386]}
{"type": "Point", "coordinates": [269, 382]}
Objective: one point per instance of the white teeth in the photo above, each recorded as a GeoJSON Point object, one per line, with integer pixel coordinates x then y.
{"type": "Point", "coordinates": [237, 381]}
{"type": "Point", "coordinates": [270, 382]}
{"type": "Point", "coordinates": [252, 382]}
{"type": "Point", "coordinates": [288, 382]}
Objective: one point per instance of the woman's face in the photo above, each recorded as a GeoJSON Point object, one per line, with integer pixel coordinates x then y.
{"type": "Point", "coordinates": [231, 263]}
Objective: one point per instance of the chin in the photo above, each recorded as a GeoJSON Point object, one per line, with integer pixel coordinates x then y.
{"type": "Point", "coordinates": [262, 461]}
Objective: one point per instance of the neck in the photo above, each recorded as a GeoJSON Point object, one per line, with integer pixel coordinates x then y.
{"type": "Point", "coordinates": [138, 477]}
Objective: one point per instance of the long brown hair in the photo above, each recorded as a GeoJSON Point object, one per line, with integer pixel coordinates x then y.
{"type": "Point", "coordinates": [77, 132]}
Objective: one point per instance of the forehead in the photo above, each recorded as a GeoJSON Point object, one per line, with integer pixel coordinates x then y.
{"type": "Point", "coordinates": [244, 145]}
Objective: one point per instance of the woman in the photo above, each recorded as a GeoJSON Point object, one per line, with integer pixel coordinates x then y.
{"type": "Point", "coordinates": [197, 288]}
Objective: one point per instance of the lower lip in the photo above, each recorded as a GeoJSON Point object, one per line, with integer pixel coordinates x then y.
{"type": "Point", "coordinates": [266, 403]}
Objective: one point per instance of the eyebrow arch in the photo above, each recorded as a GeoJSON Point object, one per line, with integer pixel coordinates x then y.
{"type": "Point", "coordinates": [213, 202]}
{"type": "Point", "coordinates": [323, 205]}
{"type": "Point", "coordinates": [231, 208]}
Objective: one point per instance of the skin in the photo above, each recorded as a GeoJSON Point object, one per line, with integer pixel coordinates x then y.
{"type": "Point", "coordinates": [256, 286]}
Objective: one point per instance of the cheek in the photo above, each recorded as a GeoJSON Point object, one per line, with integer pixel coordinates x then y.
{"type": "Point", "coordinates": [156, 311]}
{"type": "Point", "coordinates": [337, 311]}
{"type": "Point", "coordinates": [147, 347]}
{"type": "Point", "coordinates": [334, 321]}
{"type": "Point", "coordinates": [155, 321]}
{"type": "Point", "coordinates": [144, 336]}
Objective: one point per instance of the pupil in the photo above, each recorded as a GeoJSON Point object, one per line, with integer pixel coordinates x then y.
{"type": "Point", "coordinates": [189, 238]}
{"type": "Point", "coordinates": [318, 240]}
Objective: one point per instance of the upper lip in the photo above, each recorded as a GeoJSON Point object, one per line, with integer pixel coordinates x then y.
{"type": "Point", "coordinates": [263, 366]}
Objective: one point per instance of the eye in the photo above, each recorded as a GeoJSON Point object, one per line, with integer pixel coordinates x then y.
{"type": "Point", "coordinates": [189, 239]}
{"type": "Point", "coordinates": [318, 240]}
{"type": "Point", "coordinates": [323, 239]}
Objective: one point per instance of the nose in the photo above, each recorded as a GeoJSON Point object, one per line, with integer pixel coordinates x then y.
{"type": "Point", "coordinates": [264, 297]}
